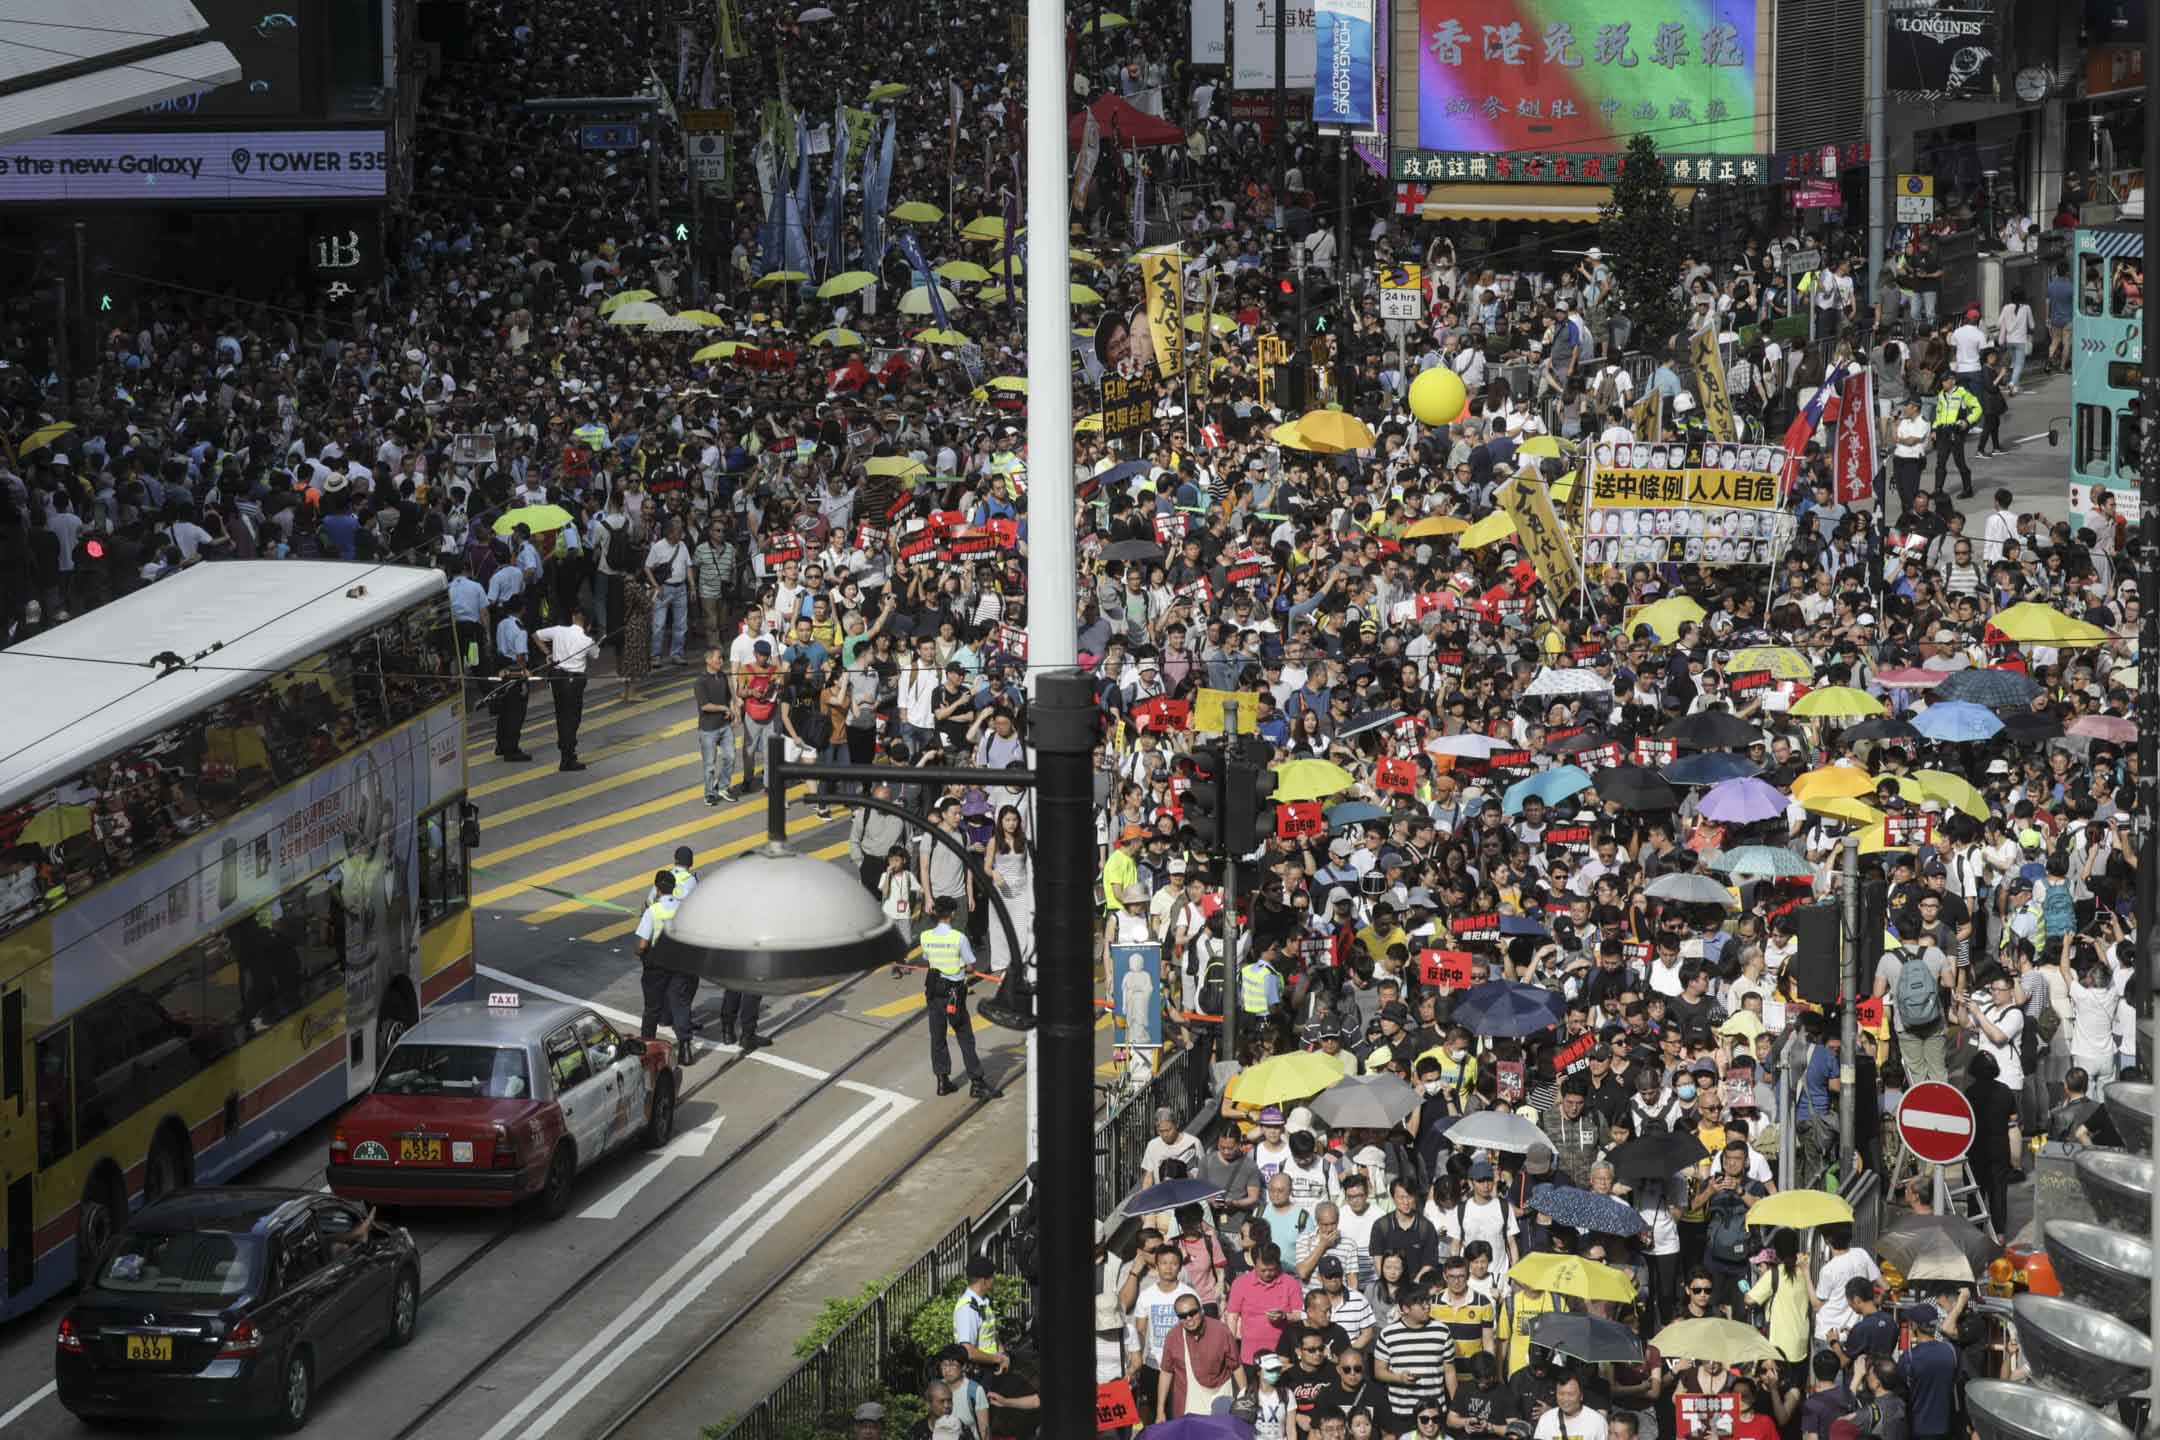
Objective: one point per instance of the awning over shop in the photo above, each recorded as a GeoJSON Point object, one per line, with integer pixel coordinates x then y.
{"type": "Point", "coordinates": [1524, 202]}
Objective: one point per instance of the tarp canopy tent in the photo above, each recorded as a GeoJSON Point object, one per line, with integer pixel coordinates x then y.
{"type": "Point", "coordinates": [1125, 124]}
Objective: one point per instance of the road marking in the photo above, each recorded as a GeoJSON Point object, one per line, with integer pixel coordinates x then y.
{"type": "Point", "coordinates": [691, 1144]}
{"type": "Point", "coordinates": [634, 1023]}
{"type": "Point", "coordinates": [608, 934]}
{"type": "Point", "coordinates": [623, 710]}
{"type": "Point", "coordinates": [690, 1277]}
{"type": "Point", "coordinates": [2025, 440]}
{"type": "Point", "coordinates": [586, 792]}
{"type": "Point", "coordinates": [29, 1403]}
{"type": "Point", "coordinates": [645, 843]}
{"type": "Point", "coordinates": [909, 1004]}
{"type": "Point", "coordinates": [539, 772]}
{"type": "Point", "coordinates": [673, 800]}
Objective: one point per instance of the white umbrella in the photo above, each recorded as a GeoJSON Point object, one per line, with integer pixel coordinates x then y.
{"type": "Point", "coordinates": [815, 13]}
{"type": "Point", "coordinates": [637, 312]}
{"type": "Point", "coordinates": [1568, 682]}
{"type": "Point", "coordinates": [1465, 746]}
{"type": "Point", "coordinates": [673, 325]}
{"type": "Point", "coordinates": [1495, 1130]}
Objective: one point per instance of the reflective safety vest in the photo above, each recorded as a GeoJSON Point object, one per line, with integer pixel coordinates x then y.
{"type": "Point", "coordinates": [660, 912]}
{"type": "Point", "coordinates": [1252, 988]}
{"type": "Point", "coordinates": [986, 1336]}
{"type": "Point", "coordinates": [592, 434]}
{"type": "Point", "coordinates": [685, 882]}
{"type": "Point", "coordinates": [941, 951]}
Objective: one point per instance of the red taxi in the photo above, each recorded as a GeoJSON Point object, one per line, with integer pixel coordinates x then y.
{"type": "Point", "coordinates": [491, 1104]}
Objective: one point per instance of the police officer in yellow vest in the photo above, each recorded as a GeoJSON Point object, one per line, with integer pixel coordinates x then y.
{"type": "Point", "coordinates": [1259, 985]}
{"type": "Point", "coordinates": [662, 988]}
{"type": "Point", "coordinates": [949, 957]}
{"type": "Point", "coordinates": [683, 988]}
{"type": "Point", "coordinates": [1957, 411]}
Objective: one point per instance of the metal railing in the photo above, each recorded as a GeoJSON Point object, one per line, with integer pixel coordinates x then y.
{"type": "Point", "coordinates": [868, 1354]}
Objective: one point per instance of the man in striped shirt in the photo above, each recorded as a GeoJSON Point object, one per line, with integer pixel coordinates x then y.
{"type": "Point", "coordinates": [1350, 1309]}
{"type": "Point", "coordinates": [1411, 1357]}
{"type": "Point", "coordinates": [1467, 1316]}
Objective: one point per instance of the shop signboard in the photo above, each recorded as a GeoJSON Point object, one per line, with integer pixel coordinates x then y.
{"type": "Point", "coordinates": [1943, 52]}
{"type": "Point", "coordinates": [195, 166]}
{"type": "Point", "coordinates": [1252, 47]}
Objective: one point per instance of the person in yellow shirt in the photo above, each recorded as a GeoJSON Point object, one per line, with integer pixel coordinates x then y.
{"type": "Point", "coordinates": [1123, 866]}
{"type": "Point", "coordinates": [1383, 933]}
{"type": "Point", "coordinates": [1516, 1315]}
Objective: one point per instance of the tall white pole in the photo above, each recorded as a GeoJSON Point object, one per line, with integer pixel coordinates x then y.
{"type": "Point", "coordinates": [1053, 625]}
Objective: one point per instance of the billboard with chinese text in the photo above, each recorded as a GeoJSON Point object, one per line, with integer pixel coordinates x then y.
{"type": "Point", "coordinates": [1501, 76]}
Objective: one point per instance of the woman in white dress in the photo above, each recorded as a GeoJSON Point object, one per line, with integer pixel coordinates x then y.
{"type": "Point", "coordinates": [1010, 859]}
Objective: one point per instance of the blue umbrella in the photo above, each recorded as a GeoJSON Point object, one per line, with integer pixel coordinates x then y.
{"type": "Point", "coordinates": [1709, 767]}
{"type": "Point", "coordinates": [1501, 1007]}
{"type": "Point", "coordinates": [1756, 862]}
{"type": "Point", "coordinates": [1743, 801]}
{"type": "Point", "coordinates": [1991, 688]}
{"type": "Point", "coordinates": [1583, 1210]}
{"type": "Point", "coordinates": [1353, 812]}
{"type": "Point", "coordinates": [1202, 1427]}
{"type": "Point", "coordinates": [1153, 1199]}
{"type": "Point", "coordinates": [1957, 720]}
{"type": "Point", "coordinates": [1551, 786]}
{"type": "Point", "coordinates": [1125, 471]}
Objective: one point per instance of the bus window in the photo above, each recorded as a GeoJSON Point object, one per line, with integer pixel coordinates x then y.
{"type": "Point", "coordinates": [2093, 449]}
{"type": "Point", "coordinates": [2129, 446]}
{"type": "Point", "coordinates": [2126, 297]}
{"type": "Point", "coordinates": [55, 1107]}
{"type": "Point", "coordinates": [442, 866]}
{"type": "Point", "coordinates": [2091, 282]}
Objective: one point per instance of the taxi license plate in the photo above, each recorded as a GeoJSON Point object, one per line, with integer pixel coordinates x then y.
{"type": "Point", "coordinates": [419, 1150]}
{"type": "Point", "coordinates": [149, 1347]}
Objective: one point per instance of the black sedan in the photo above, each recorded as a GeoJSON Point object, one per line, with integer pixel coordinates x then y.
{"type": "Point", "coordinates": [235, 1304]}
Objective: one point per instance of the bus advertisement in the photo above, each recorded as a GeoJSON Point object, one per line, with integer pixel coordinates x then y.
{"type": "Point", "coordinates": [214, 922]}
{"type": "Point", "coordinates": [2107, 352]}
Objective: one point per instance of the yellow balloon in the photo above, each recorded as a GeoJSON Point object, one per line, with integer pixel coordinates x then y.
{"type": "Point", "coordinates": [1437, 396]}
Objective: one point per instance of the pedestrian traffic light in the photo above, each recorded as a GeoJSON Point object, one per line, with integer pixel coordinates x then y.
{"type": "Point", "coordinates": [1204, 798]}
{"type": "Point", "coordinates": [1248, 812]}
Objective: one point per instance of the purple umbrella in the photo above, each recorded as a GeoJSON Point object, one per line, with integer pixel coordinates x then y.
{"type": "Point", "coordinates": [1743, 801]}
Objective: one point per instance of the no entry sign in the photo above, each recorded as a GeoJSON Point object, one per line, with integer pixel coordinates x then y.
{"type": "Point", "coordinates": [1935, 1122]}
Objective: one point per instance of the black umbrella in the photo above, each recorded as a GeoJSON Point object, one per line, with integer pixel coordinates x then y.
{"type": "Point", "coordinates": [1576, 744]}
{"type": "Point", "coordinates": [1586, 1338]}
{"type": "Point", "coordinates": [2031, 727]}
{"type": "Point", "coordinates": [1711, 730]}
{"type": "Point", "coordinates": [1881, 727]}
{"type": "Point", "coordinates": [1656, 1157]}
{"type": "Point", "coordinates": [1132, 550]}
{"type": "Point", "coordinates": [1636, 787]}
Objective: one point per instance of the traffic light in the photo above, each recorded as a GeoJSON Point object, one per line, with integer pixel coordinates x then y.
{"type": "Point", "coordinates": [1248, 813]}
{"type": "Point", "coordinates": [1204, 798]}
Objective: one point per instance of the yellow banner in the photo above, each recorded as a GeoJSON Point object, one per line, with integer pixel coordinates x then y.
{"type": "Point", "coordinates": [732, 43]}
{"type": "Point", "coordinates": [1543, 539]}
{"type": "Point", "coordinates": [1710, 377]}
{"type": "Point", "coordinates": [1162, 271]}
{"type": "Point", "coordinates": [1647, 419]}
{"type": "Point", "coordinates": [1207, 711]}
{"type": "Point", "coordinates": [1737, 489]}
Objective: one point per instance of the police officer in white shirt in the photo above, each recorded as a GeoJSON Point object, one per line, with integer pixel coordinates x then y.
{"type": "Point", "coordinates": [663, 992]}
{"type": "Point", "coordinates": [569, 650]}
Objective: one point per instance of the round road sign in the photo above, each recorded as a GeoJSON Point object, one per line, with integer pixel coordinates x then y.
{"type": "Point", "coordinates": [1935, 1122]}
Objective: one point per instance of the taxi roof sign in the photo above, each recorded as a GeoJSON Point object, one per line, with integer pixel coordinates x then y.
{"type": "Point", "coordinates": [504, 1000]}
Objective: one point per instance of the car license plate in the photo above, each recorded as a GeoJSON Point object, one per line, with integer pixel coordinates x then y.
{"type": "Point", "coordinates": [419, 1150]}
{"type": "Point", "coordinates": [149, 1347]}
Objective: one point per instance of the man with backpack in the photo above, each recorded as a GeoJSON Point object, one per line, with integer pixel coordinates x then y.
{"type": "Point", "coordinates": [615, 556]}
{"type": "Point", "coordinates": [1908, 979]}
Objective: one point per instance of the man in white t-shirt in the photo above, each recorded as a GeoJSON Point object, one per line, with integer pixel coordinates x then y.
{"type": "Point", "coordinates": [1154, 1308]}
{"type": "Point", "coordinates": [1997, 1021]}
{"type": "Point", "coordinates": [1170, 1143]}
{"type": "Point", "coordinates": [1967, 341]}
{"type": "Point", "coordinates": [1568, 1418]}
{"type": "Point", "coordinates": [1483, 1216]}
{"type": "Point", "coordinates": [1846, 1262]}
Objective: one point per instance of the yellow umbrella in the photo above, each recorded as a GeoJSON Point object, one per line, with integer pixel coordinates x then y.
{"type": "Point", "coordinates": [56, 825]}
{"type": "Point", "coordinates": [1310, 780]}
{"type": "Point", "coordinates": [44, 435]}
{"type": "Point", "coordinates": [1745, 1023]}
{"type": "Point", "coordinates": [1545, 447]}
{"type": "Point", "coordinates": [1108, 20]}
{"type": "Point", "coordinates": [917, 301]}
{"type": "Point", "coordinates": [1009, 382]}
{"type": "Point", "coordinates": [984, 227]}
{"type": "Point", "coordinates": [1667, 616]}
{"type": "Point", "coordinates": [1494, 527]}
{"type": "Point", "coordinates": [1568, 1275]}
{"type": "Point", "coordinates": [1085, 294]}
{"type": "Point", "coordinates": [1843, 807]}
{"type": "Point", "coordinates": [1564, 487]}
{"type": "Point", "coordinates": [1801, 1209]}
{"type": "Point", "coordinates": [917, 212]}
{"type": "Point", "coordinates": [1953, 790]}
{"type": "Point", "coordinates": [965, 271]}
{"type": "Point", "coordinates": [991, 295]}
{"type": "Point", "coordinates": [1779, 661]}
{"type": "Point", "coordinates": [1832, 782]}
{"type": "Point", "coordinates": [1436, 525]}
{"type": "Point", "coordinates": [838, 335]}
{"type": "Point", "coordinates": [540, 519]}
{"type": "Point", "coordinates": [624, 297]}
{"type": "Point", "coordinates": [1221, 324]}
{"type": "Point", "coordinates": [1837, 702]}
{"type": "Point", "coordinates": [847, 282]}
{"type": "Point", "coordinates": [1088, 423]}
{"type": "Point", "coordinates": [779, 277]}
{"type": "Point", "coordinates": [637, 312]}
{"type": "Point", "coordinates": [935, 336]}
{"type": "Point", "coordinates": [2032, 624]}
{"type": "Point", "coordinates": [1083, 257]}
{"type": "Point", "coordinates": [1285, 1079]}
{"type": "Point", "coordinates": [890, 90]}
{"type": "Point", "coordinates": [723, 349]}
{"type": "Point", "coordinates": [1728, 1342]}
{"type": "Point", "coordinates": [894, 465]}
{"type": "Point", "coordinates": [1336, 429]}
{"type": "Point", "coordinates": [703, 317]}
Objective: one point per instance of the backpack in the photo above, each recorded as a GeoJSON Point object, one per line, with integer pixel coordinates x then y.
{"type": "Point", "coordinates": [1918, 995]}
{"type": "Point", "coordinates": [619, 558]}
{"type": "Point", "coordinates": [1727, 1237]}
{"type": "Point", "coordinates": [1211, 988]}
{"type": "Point", "coordinates": [1608, 389]}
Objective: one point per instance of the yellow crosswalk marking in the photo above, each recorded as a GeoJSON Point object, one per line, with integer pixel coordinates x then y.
{"type": "Point", "coordinates": [495, 818]}
{"type": "Point", "coordinates": [655, 843]}
{"type": "Point", "coordinates": [673, 800]}
{"type": "Point", "coordinates": [542, 716]}
{"type": "Point", "coordinates": [543, 770]}
{"type": "Point", "coordinates": [905, 1005]}
{"type": "Point", "coordinates": [588, 723]}
{"type": "Point", "coordinates": [607, 934]}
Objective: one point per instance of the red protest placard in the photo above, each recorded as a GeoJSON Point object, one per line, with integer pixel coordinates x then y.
{"type": "Point", "coordinates": [1634, 952]}
{"type": "Point", "coordinates": [1699, 1415]}
{"type": "Point", "coordinates": [1196, 592]}
{"type": "Point", "coordinates": [1005, 532]}
{"type": "Point", "coordinates": [971, 542]}
{"type": "Point", "coordinates": [1302, 817]}
{"type": "Point", "coordinates": [1575, 1055]}
{"type": "Point", "coordinates": [1484, 926]}
{"type": "Point", "coordinates": [1395, 776]}
{"type": "Point", "coordinates": [1869, 1013]}
{"type": "Point", "coordinates": [1749, 681]}
{"type": "Point", "coordinates": [944, 522]}
{"type": "Point", "coordinates": [783, 549]}
{"type": "Point", "coordinates": [1656, 752]}
{"type": "Point", "coordinates": [1444, 969]}
{"type": "Point", "coordinates": [1904, 830]}
{"type": "Point", "coordinates": [1012, 639]}
{"type": "Point", "coordinates": [1162, 713]}
{"type": "Point", "coordinates": [1603, 758]}
{"type": "Point", "coordinates": [1114, 1408]}
{"type": "Point", "coordinates": [1511, 760]}
{"type": "Point", "coordinates": [1169, 529]}
{"type": "Point", "coordinates": [1508, 1081]}
{"type": "Point", "coordinates": [1568, 835]}
{"type": "Point", "coordinates": [868, 536]}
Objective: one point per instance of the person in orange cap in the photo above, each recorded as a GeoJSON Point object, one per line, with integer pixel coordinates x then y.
{"type": "Point", "coordinates": [1123, 866]}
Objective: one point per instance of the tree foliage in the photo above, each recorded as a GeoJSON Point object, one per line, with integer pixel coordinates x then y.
{"type": "Point", "coordinates": [1640, 231]}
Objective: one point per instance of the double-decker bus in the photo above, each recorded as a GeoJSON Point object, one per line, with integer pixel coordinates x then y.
{"type": "Point", "coordinates": [232, 872]}
{"type": "Point", "coordinates": [2107, 351]}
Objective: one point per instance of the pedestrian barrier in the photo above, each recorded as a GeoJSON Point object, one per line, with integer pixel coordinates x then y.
{"type": "Point", "coordinates": [871, 1354]}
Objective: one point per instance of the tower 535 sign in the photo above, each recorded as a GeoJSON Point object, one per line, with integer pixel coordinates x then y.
{"type": "Point", "coordinates": [197, 165]}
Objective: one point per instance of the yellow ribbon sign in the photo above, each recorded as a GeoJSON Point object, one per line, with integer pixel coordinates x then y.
{"type": "Point", "coordinates": [1207, 711]}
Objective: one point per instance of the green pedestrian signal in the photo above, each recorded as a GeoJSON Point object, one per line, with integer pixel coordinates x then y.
{"type": "Point", "coordinates": [682, 231]}
{"type": "Point", "coordinates": [104, 302]}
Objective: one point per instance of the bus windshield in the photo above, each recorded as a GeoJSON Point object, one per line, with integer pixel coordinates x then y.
{"type": "Point", "coordinates": [484, 1072]}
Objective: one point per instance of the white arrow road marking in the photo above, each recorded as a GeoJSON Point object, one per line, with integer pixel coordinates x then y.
{"type": "Point", "coordinates": [692, 1275]}
{"type": "Point", "coordinates": [691, 1143]}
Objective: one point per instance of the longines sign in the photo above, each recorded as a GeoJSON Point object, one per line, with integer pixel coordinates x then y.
{"type": "Point", "coordinates": [197, 165]}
